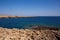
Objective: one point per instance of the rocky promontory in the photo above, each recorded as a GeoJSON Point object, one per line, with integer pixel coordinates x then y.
{"type": "Point", "coordinates": [29, 34]}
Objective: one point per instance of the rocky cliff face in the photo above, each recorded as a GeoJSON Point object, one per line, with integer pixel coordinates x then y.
{"type": "Point", "coordinates": [29, 34]}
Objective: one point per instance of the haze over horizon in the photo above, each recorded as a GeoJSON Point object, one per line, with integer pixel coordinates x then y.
{"type": "Point", "coordinates": [30, 7]}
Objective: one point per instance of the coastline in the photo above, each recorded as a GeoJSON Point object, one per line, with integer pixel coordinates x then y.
{"type": "Point", "coordinates": [29, 34]}
{"type": "Point", "coordinates": [15, 16]}
{"type": "Point", "coordinates": [25, 16]}
{"type": "Point", "coordinates": [45, 27]}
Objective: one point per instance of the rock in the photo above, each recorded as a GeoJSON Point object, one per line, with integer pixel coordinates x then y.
{"type": "Point", "coordinates": [29, 34]}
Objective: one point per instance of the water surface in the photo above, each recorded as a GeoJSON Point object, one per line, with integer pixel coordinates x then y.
{"type": "Point", "coordinates": [30, 21]}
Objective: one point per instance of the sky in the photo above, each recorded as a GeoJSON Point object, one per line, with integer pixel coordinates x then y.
{"type": "Point", "coordinates": [30, 7]}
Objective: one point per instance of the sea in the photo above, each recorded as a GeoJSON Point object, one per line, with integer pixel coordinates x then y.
{"type": "Point", "coordinates": [29, 22]}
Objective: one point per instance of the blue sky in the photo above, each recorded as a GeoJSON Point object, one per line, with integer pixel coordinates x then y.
{"type": "Point", "coordinates": [30, 7]}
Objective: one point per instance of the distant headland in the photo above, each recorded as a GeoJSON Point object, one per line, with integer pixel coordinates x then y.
{"type": "Point", "coordinates": [14, 16]}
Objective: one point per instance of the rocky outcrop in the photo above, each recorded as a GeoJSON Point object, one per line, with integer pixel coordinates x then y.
{"type": "Point", "coordinates": [29, 34]}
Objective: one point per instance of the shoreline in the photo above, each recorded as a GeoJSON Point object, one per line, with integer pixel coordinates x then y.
{"type": "Point", "coordinates": [24, 16]}
{"type": "Point", "coordinates": [45, 27]}
{"type": "Point", "coordinates": [36, 27]}
{"type": "Point", "coordinates": [16, 16]}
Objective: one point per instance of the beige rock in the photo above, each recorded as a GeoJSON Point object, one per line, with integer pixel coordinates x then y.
{"type": "Point", "coordinates": [28, 34]}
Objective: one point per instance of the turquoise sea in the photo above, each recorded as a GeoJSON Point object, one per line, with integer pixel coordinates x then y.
{"type": "Point", "coordinates": [28, 22]}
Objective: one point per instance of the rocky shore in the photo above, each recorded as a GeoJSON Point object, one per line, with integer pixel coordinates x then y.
{"type": "Point", "coordinates": [30, 34]}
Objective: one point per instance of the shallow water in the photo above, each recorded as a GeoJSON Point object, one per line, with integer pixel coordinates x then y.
{"type": "Point", "coordinates": [29, 22]}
